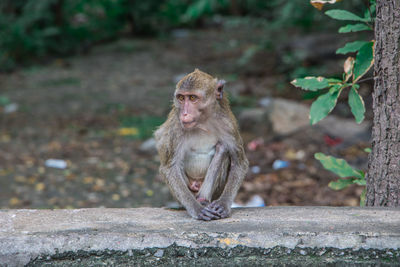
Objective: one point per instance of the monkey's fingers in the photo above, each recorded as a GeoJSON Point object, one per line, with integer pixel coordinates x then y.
{"type": "Point", "coordinates": [203, 217]}
{"type": "Point", "coordinates": [207, 214]}
{"type": "Point", "coordinates": [217, 209]}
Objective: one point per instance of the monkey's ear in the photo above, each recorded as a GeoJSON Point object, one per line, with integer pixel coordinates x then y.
{"type": "Point", "coordinates": [220, 89]}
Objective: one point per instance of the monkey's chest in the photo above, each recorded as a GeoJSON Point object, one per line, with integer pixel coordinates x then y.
{"type": "Point", "coordinates": [198, 157]}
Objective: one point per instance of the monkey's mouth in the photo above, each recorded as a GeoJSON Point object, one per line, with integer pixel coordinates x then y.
{"type": "Point", "coordinates": [188, 124]}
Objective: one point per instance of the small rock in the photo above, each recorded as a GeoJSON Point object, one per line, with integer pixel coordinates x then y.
{"type": "Point", "coordinates": [180, 33]}
{"type": "Point", "coordinates": [254, 120]}
{"type": "Point", "coordinates": [159, 253]}
{"type": "Point", "coordinates": [346, 129]}
{"type": "Point", "coordinates": [287, 116]}
{"type": "Point", "coordinates": [265, 102]}
{"type": "Point", "coordinates": [148, 146]}
{"type": "Point", "coordinates": [303, 252]}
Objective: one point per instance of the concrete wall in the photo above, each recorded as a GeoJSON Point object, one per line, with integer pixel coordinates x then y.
{"type": "Point", "coordinates": [156, 236]}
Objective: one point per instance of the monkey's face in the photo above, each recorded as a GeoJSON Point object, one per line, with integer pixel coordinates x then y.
{"type": "Point", "coordinates": [190, 105]}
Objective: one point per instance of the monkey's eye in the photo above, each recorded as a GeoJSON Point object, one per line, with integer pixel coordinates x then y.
{"type": "Point", "coordinates": [180, 97]}
{"type": "Point", "coordinates": [193, 98]}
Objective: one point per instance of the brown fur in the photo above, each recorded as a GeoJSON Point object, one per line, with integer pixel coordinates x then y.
{"type": "Point", "coordinates": [228, 166]}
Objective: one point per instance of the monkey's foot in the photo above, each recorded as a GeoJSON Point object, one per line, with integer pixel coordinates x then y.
{"type": "Point", "coordinates": [214, 211]}
{"type": "Point", "coordinates": [218, 209]}
{"type": "Point", "coordinates": [206, 215]}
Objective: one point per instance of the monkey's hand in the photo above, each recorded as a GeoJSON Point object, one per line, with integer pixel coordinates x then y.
{"type": "Point", "coordinates": [214, 211]}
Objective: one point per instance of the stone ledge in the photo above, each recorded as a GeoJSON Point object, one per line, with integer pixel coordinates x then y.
{"type": "Point", "coordinates": [26, 235]}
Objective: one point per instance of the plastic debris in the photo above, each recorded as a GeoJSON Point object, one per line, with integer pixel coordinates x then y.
{"type": "Point", "coordinates": [56, 163]}
{"type": "Point", "coordinates": [148, 146]}
{"type": "Point", "coordinates": [295, 155]}
{"type": "Point", "coordinates": [332, 141]}
{"type": "Point", "coordinates": [255, 169]}
{"type": "Point", "coordinates": [255, 202]}
{"type": "Point", "coordinates": [280, 164]}
{"type": "Point", "coordinates": [265, 101]}
{"type": "Point", "coordinates": [10, 108]}
{"type": "Point", "coordinates": [254, 144]}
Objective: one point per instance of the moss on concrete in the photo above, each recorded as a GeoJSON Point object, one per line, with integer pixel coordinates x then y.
{"type": "Point", "coordinates": [212, 256]}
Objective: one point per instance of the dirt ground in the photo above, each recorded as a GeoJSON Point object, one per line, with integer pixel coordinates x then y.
{"type": "Point", "coordinates": [94, 111]}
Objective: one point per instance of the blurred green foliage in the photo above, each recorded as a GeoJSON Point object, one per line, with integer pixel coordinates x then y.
{"type": "Point", "coordinates": [139, 127]}
{"type": "Point", "coordinates": [35, 29]}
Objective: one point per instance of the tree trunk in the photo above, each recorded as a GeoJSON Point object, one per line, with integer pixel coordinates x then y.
{"type": "Point", "coordinates": [383, 178]}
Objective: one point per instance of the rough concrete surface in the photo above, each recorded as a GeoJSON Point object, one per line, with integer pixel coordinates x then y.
{"type": "Point", "coordinates": [72, 237]}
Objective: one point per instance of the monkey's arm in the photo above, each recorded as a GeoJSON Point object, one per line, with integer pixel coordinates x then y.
{"type": "Point", "coordinates": [238, 168]}
{"type": "Point", "coordinates": [216, 171]}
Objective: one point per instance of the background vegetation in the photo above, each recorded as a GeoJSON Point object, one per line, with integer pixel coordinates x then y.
{"type": "Point", "coordinates": [33, 30]}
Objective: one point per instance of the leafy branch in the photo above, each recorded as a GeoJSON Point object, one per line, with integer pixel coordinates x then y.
{"type": "Point", "coordinates": [354, 70]}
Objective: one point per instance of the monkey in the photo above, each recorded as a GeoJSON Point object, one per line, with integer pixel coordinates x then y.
{"type": "Point", "coordinates": [202, 157]}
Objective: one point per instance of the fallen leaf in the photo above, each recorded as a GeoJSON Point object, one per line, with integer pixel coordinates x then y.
{"type": "Point", "coordinates": [149, 193]}
{"type": "Point", "coordinates": [128, 131]}
{"type": "Point", "coordinates": [14, 201]}
{"type": "Point", "coordinates": [88, 180]}
{"type": "Point", "coordinates": [318, 4]}
{"type": "Point", "coordinates": [40, 187]}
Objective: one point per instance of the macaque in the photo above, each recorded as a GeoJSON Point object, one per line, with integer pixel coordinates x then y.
{"type": "Point", "coordinates": [200, 148]}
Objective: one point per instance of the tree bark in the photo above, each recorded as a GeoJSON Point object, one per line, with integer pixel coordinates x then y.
{"type": "Point", "coordinates": [383, 177]}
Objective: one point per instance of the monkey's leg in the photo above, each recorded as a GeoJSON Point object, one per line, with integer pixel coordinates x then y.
{"type": "Point", "coordinates": [176, 180]}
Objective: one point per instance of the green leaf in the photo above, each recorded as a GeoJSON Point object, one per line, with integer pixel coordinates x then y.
{"type": "Point", "coordinates": [50, 31]}
{"type": "Point", "coordinates": [360, 181]}
{"type": "Point", "coordinates": [321, 107]}
{"type": "Point", "coordinates": [4, 100]}
{"type": "Point", "coordinates": [344, 15]}
{"type": "Point", "coordinates": [351, 47]}
{"type": "Point", "coordinates": [197, 9]}
{"type": "Point", "coordinates": [338, 166]}
{"type": "Point", "coordinates": [354, 28]}
{"type": "Point", "coordinates": [356, 104]}
{"type": "Point", "coordinates": [364, 60]}
{"type": "Point", "coordinates": [368, 149]}
{"type": "Point", "coordinates": [335, 88]}
{"type": "Point", "coordinates": [340, 184]}
{"type": "Point", "coordinates": [369, 11]}
{"type": "Point", "coordinates": [333, 81]}
{"type": "Point", "coordinates": [311, 83]}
